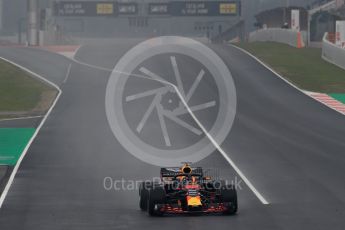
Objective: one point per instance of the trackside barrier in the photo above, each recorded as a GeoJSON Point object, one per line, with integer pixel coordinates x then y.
{"type": "Point", "coordinates": [333, 53]}
{"type": "Point", "coordinates": [286, 36]}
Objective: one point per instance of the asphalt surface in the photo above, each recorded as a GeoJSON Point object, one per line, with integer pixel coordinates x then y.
{"type": "Point", "coordinates": [288, 145]}
{"type": "Point", "coordinates": [21, 123]}
{"type": "Point", "coordinates": [5, 173]}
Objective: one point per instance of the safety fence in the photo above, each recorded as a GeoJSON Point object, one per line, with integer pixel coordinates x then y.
{"type": "Point", "coordinates": [333, 53]}
{"type": "Point", "coordinates": [290, 37]}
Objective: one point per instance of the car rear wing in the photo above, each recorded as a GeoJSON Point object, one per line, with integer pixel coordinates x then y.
{"type": "Point", "coordinates": [173, 172]}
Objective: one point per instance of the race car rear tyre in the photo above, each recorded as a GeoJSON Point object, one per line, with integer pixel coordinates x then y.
{"type": "Point", "coordinates": [229, 198]}
{"type": "Point", "coordinates": [144, 194]}
{"type": "Point", "coordinates": [156, 197]}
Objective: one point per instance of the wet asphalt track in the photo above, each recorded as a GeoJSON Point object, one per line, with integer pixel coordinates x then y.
{"type": "Point", "coordinates": [289, 146]}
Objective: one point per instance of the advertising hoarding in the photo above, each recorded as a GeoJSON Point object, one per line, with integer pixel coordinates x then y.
{"type": "Point", "coordinates": [174, 8]}
{"type": "Point", "coordinates": [204, 8]}
{"type": "Point", "coordinates": [340, 34]}
{"type": "Point", "coordinates": [83, 8]}
{"type": "Point", "coordinates": [159, 8]}
{"type": "Point", "coordinates": [127, 8]}
{"type": "Point", "coordinates": [295, 21]}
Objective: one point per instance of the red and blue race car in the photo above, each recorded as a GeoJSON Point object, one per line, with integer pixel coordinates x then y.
{"type": "Point", "coordinates": [186, 190]}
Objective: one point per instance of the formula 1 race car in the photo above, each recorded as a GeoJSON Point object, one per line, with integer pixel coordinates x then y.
{"type": "Point", "coordinates": [187, 190]}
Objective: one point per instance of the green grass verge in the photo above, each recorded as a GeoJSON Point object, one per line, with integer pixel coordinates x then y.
{"type": "Point", "coordinates": [303, 67]}
{"type": "Point", "coordinates": [18, 90]}
{"type": "Point", "coordinates": [339, 97]}
{"type": "Point", "coordinates": [12, 143]}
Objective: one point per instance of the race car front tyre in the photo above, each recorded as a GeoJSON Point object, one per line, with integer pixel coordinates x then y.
{"type": "Point", "coordinates": [156, 197]}
{"type": "Point", "coordinates": [143, 195]}
{"type": "Point", "coordinates": [229, 198]}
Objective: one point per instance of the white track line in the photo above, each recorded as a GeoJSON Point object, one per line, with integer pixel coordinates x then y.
{"type": "Point", "coordinates": [91, 66]}
{"type": "Point", "coordinates": [15, 170]}
{"type": "Point", "coordinates": [213, 141]}
{"type": "Point", "coordinates": [67, 73]}
{"type": "Point", "coordinates": [76, 51]}
{"type": "Point", "coordinates": [281, 77]}
{"type": "Point", "coordinates": [73, 58]}
{"type": "Point", "coordinates": [20, 118]}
